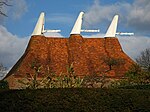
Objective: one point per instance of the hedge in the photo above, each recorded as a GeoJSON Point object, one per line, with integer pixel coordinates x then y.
{"type": "Point", "coordinates": [75, 100]}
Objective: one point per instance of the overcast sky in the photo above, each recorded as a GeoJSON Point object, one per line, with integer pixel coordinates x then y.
{"type": "Point", "coordinates": [15, 30]}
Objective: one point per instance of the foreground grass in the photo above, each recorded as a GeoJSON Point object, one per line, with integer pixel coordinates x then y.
{"type": "Point", "coordinates": [77, 100]}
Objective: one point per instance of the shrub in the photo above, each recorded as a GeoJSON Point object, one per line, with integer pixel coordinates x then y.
{"type": "Point", "coordinates": [4, 84]}
{"type": "Point", "coordinates": [51, 80]}
{"type": "Point", "coordinates": [75, 100]}
{"type": "Point", "coordinates": [133, 78]}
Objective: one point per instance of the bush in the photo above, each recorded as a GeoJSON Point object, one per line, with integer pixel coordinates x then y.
{"type": "Point", "coordinates": [135, 87]}
{"type": "Point", "coordinates": [134, 78]}
{"type": "Point", "coordinates": [50, 80]}
{"type": "Point", "coordinates": [75, 100]}
{"type": "Point", "coordinates": [4, 84]}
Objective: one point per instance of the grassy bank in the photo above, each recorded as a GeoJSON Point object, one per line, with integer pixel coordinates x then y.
{"type": "Point", "coordinates": [66, 100]}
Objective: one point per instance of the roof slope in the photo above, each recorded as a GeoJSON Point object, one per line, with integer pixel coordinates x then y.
{"type": "Point", "coordinates": [86, 54]}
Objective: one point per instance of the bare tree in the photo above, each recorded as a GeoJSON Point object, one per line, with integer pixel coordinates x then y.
{"type": "Point", "coordinates": [3, 71]}
{"type": "Point", "coordinates": [144, 59]}
{"type": "Point", "coordinates": [2, 4]}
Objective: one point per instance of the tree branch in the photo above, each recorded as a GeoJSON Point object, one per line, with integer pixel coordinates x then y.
{"type": "Point", "coordinates": [4, 3]}
{"type": "Point", "coordinates": [1, 13]}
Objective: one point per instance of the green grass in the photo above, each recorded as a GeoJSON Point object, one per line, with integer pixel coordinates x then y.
{"type": "Point", "coordinates": [75, 100]}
